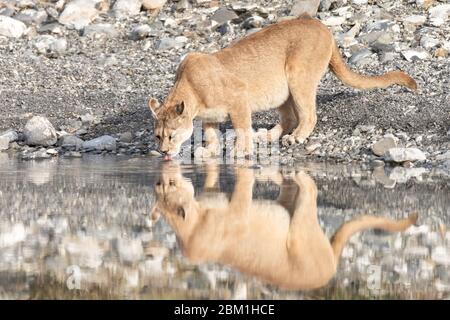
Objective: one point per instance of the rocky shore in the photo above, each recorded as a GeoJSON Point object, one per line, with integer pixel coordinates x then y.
{"type": "Point", "coordinates": [76, 74]}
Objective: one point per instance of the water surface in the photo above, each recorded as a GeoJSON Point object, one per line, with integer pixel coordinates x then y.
{"type": "Point", "coordinates": [111, 227]}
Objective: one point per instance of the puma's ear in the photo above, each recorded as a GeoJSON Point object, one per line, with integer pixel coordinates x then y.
{"type": "Point", "coordinates": [180, 108]}
{"type": "Point", "coordinates": [154, 105]}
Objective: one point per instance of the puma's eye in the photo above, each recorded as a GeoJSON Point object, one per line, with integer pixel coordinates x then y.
{"type": "Point", "coordinates": [172, 183]}
{"type": "Point", "coordinates": [158, 137]}
{"type": "Point", "coordinates": [180, 212]}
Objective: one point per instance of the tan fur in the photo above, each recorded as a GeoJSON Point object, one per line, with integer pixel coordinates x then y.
{"type": "Point", "coordinates": [277, 67]}
{"type": "Point", "coordinates": [279, 241]}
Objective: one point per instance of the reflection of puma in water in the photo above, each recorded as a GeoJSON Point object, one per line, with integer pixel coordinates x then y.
{"type": "Point", "coordinates": [279, 241]}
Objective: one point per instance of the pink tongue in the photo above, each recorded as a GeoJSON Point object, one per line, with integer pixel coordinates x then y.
{"type": "Point", "coordinates": [167, 157]}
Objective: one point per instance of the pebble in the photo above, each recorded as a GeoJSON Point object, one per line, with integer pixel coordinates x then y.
{"type": "Point", "coordinates": [50, 46]}
{"type": "Point", "coordinates": [223, 15]}
{"type": "Point", "coordinates": [412, 55]}
{"type": "Point", "coordinates": [305, 6]}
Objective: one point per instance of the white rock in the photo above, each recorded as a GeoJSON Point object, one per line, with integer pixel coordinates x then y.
{"type": "Point", "coordinates": [79, 13]}
{"type": "Point", "coordinates": [10, 27]}
{"type": "Point", "coordinates": [428, 42]}
{"type": "Point", "coordinates": [39, 131]}
{"type": "Point", "coordinates": [333, 21]}
{"type": "Point", "coordinates": [441, 255]}
{"type": "Point", "coordinates": [402, 175]}
{"type": "Point", "coordinates": [404, 154]}
{"type": "Point", "coordinates": [11, 235]}
{"type": "Point", "coordinates": [415, 19]}
{"type": "Point", "coordinates": [359, 2]}
{"type": "Point", "coordinates": [305, 6]}
{"type": "Point", "coordinates": [412, 55]}
{"type": "Point", "coordinates": [49, 45]}
{"type": "Point", "coordinates": [153, 4]}
{"type": "Point", "coordinates": [444, 156]}
{"type": "Point", "coordinates": [126, 8]}
{"type": "Point", "coordinates": [439, 14]}
{"type": "Point", "coordinates": [130, 251]}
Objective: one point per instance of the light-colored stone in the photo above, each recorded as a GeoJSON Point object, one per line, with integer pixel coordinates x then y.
{"type": "Point", "coordinates": [153, 4]}
{"type": "Point", "coordinates": [439, 14]}
{"type": "Point", "coordinates": [39, 131]}
{"type": "Point", "coordinates": [404, 154]}
{"type": "Point", "coordinates": [101, 143]}
{"type": "Point", "coordinates": [383, 145]}
{"type": "Point", "coordinates": [79, 13]}
{"type": "Point", "coordinates": [49, 45]}
{"type": "Point", "coordinates": [305, 6]}
{"type": "Point", "coordinates": [12, 28]}
{"type": "Point", "coordinates": [130, 251]}
{"type": "Point", "coordinates": [412, 54]}
{"type": "Point", "coordinates": [333, 21]}
{"type": "Point", "coordinates": [126, 8]}
{"type": "Point", "coordinates": [416, 20]}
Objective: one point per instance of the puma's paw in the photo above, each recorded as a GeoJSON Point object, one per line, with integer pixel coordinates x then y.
{"type": "Point", "coordinates": [290, 139]}
{"type": "Point", "coordinates": [202, 153]}
{"type": "Point", "coordinates": [261, 135]}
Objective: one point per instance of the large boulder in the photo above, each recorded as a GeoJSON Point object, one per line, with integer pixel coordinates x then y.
{"type": "Point", "coordinates": [39, 131]}
{"type": "Point", "coordinates": [153, 4]}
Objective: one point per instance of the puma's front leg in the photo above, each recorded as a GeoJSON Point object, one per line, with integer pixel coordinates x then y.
{"type": "Point", "coordinates": [241, 118]}
{"type": "Point", "coordinates": [212, 147]}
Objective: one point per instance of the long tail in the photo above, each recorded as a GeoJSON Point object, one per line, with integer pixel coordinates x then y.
{"type": "Point", "coordinates": [350, 78]}
{"type": "Point", "coordinates": [348, 229]}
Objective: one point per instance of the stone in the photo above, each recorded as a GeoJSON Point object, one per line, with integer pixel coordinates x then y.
{"type": "Point", "coordinates": [439, 14]}
{"type": "Point", "coordinates": [441, 255]}
{"type": "Point", "coordinates": [39, 131]}
{"type": "Point", "coordinates": [383, 145]}
{"type": "Point", "coordinates": [443, 156]}
{"type": "Point", "coordinates": [4, 143]}
{"type": "Point", "coordinates": [404, 154]}
{"type": "Point", "coordinates": [333, 21]}
{"type": "Point", "coordinates": [140, 32]}
{"type": "Point", "coordinates": [50, 46]}
{"type": "Point", "coordinates": [153, 4]}
{"type": "Point", "coordinates": [361, 57]}
{"type": "Point", "coordinates": [309, 7]}
{"type": "Point", "coordinates": [10, 134]}
{"type": "Point", "coordinates": [223, 15]}
{"type": "Point", "coordinates": [126, 8]}
{"type": "Point", "coordinates": [71, 141]}
{"type": "Point", "coordinates": [359, 2]}
{"type": "Point", "coordinates": [105, 142]}
{"type": "Point", "coordinates": [155, 153]}
{"type": "Point", "coordinates": [167, 43]}
{"type": "Point", "coordinates": [30, 16]}
{"type": "Point", "coordinates": [12, 28]}
{"type": "Point", "coordinates": [416, 20]}
{"type": "Point", "coordinates": [126, 137]}
{"type": "Point", "coordinates": [428, 42]}
{"type": "Point", "coordinates": [79, 13]}
{"type": "Point", "coordinates": [413, 55]}
{"type": "Point", "coordinates": [380, 176]}
{"type": "Point", "coordinates": [402, 175]}
{"type": "Point", "coordinates": [129, 251]}
{"type": "Point", "coordinates": [100, 30]}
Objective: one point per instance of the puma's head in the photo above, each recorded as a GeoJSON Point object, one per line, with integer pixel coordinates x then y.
{"type": "Point", "coordinates": [173, 124]}
{"type": "Point", "coordinates": [175, 200]}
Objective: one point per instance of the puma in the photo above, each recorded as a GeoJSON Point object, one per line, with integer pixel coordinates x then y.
{"type": "Point", "coordinates": [279, 241]}
{"type": "Point", "coordinates": [279, 66]}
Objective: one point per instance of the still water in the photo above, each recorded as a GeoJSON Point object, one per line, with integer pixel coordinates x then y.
{"type": "Point", "coordinates": [121, 228]}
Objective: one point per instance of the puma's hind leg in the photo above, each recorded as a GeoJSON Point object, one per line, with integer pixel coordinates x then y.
{"type": "Point", "coordinates": [288, 121]}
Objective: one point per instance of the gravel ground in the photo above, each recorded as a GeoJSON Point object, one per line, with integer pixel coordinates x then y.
{"type": "Point", "coordinates": [111, 75]}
